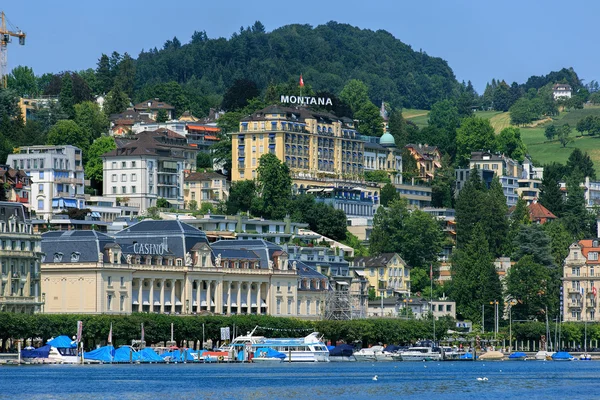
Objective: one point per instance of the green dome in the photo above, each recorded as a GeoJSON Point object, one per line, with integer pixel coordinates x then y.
{"type": "Point", "coordinates": [387, 140]}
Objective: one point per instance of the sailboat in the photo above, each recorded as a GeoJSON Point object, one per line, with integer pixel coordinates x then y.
{"type": "Point", "coordinates": [545, 355]}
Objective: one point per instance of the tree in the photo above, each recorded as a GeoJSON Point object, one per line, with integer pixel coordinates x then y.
{"type": "Point", "coordinates": [92, 121]}
{"type": "Point", "coordinates": [560, 240]}
{"type": "Point", "coordinates": [238, 94]}
{"type": "Point", "coordinates": [527, 283]}
{"type": "Point", "coordinates": [388, 194]}
{"type": "Point", "coordinates": [577, 219]}
{"type": "Point", "coordinates": [23, 81]}
{"type": "Point", "coordinates": [116, 101]}
{"type": "Point", "coordinates": [442, 186]}
{"type": "Point", "coordinates": [66, 98]}
{"type": "Point", "coordinates": [162, 203]}
{"type": "Point", "coordinates": [203, 160]}
{"type": "Point", "coordinates": [469, 206]}
{"type": "Point", "coordinates": [125, 74]}
{"type": "Point", "coordinates": [474, 278]}
{"type": "Point", "coordinates": [241, 196]}
{"type": "Point", "coordinates": [551, 196]}
{"type": "Point", "coordinates": [581, 163]}
{"type": "Point", "coordinates": [274, 188]}
{"type": "Point", "coordinates": [493, 218]}
{"type": "Point", "coordinates": [221, 153]}
{"type": "Point", "coordinates": [502, 97]}
{"type": "Point", "coordinates": [162, 116]}
{"type": "Point", "coordinates": [67, 132]}
{"type": "Point", "coordinates": [103, 74]}
{"type": "Point", "coordinates": [445, 117]}
{"type": "Point", "coordinates": [355, 94]}
{"type": "Point", "coordinates": [370, 122]}
{"type": "Point", "coordinates": [93, 167]}
{"type": "Point", "coordinates": [510, 143]}
{"type": "Point", "coordinates": [563, 135]}
{"type": "Point", "coordinates": [550, 132]}
{"type": "Point", "coordinates": [475, 134]}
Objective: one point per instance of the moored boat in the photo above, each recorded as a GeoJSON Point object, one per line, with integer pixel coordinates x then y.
{"type": "Point", "coordinates": [342, 353]}
{"type": "Point", "coordinates": [492, 356]}
{"type": "Point", "coordinates": [517, 356]}
{"type": "Point", "coordinates": [267, 355]}
{"type": "Point", "coordinates": [422, 353]}
{"type": "Point", "coordinates": [544, 355]}
{"type": "Point", "coordinates": [368, 353]}
{"type": "Point", "coordinates": [562, 356]}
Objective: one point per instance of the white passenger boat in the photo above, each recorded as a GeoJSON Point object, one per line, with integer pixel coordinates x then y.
{"type": "Point", "coordinates": [421, 353]}
{"type": "Point", "coordinates": [306, 349]}
{"type": "Point", "coordinates": [368, 353]}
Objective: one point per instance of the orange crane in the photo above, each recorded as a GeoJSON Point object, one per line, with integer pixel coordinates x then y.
{"type": "Point", "coordinates": [5, 39]}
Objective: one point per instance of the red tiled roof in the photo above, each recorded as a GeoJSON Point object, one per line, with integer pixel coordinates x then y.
{"type": "Point", "coordinates": [538, 212]}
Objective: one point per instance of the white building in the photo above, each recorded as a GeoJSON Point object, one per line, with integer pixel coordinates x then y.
{"type": "Point", "coordinates": [381, 154]}
{"type": "Point", "coordinates": [561, 90]}
{"type": "Point", "coordinates": [148, 167]}
{"type": "Point", "coordinates": [57, 178]}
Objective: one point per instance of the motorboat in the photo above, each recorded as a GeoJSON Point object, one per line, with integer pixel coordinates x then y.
{"type": "Point", "coordinates": [492, 355]}
{"type": "Point", "coordinates": [562, 356]}
{"type": "Point", "coordinates": [368, 353]}
{"type": "Point", "coordinates": [342, 353]}
{"type": "Point", "coordinates": [517, 356]}
{"type": "Point", "coordinates": [59, 350]}
{"type": "Point", "coordinates": [544, 355]}
{"type": "Point", "coordinates": [450, 353]}
{"type": "Point", "coordinates": [585, 357]}
{"type": "Point", "coordinates": [307, 349]}
{"type": "Point", "coordinates": [422, 353]}
{"type": "Point", "coordinates": [267, 355]}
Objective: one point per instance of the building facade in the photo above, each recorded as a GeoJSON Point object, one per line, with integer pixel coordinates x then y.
{"type": "Point", "coordinates": [56, 176]}
{"type": "Point", "coordinates": [149, 167]}
{"type": "Point", "coordinates": [387, 273]}
{"type": "Point", "coordinates": [205, 187]}
{"type": "Point", "coordinates": [562, 90]}
{"type": "Point", "coordinates": [17, 185]}
{"type": "Point", "coordinates": [20, 255]}
{"type": "Point", "coordinates": [153, 106]}
{"type": "Point", "coordinates": [428, 159]}
{"type": "Point", "coordinates": [168, 267]}
{"type": "Point", "coordinates": [581, 280]}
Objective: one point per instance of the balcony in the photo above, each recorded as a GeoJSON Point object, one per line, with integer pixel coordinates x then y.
{"type": "Point", "coordinates": [69, 181]}
{"type": "Point", "coordinates": [574, 304]}
{"type": "Point", "coordinates": [24, 200]}
{"type": "Point", "coordinates": [63, 194]}
{"type": "Point", "coordinates": [573, 290]}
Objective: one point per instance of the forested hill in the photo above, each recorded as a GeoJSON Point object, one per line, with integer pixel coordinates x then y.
{"type": "Point", "coordinates": [328, 56]}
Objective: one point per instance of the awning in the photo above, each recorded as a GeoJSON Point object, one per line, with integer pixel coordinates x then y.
{"type": "Point", "coordinates": [360, 273]}
{"type": "Point", "coordinates": [177, 303]}
{"type": "Point", "coordinates": [194, 303]}
{"type": "Point", "coordinates": [96, 214]}
{"type": "Point", "coordinates": [263, 303]}
{"type": "Point", "coordinates": [234, 304]}
{"type": "Point", "coordinates": [156, 303]}
{"type": "Point", "coordinates": [203, 303]}
{"type": "Point", "coordinates": [167, 303]}
{"type": "Point", "coordinates": [135, 303]}
{"type": "Point", "coordinates": [341, 283]}
{"type": "Point", "coordinates": [244, 304]}
{"type": "Point", "coordinates": [253, 305]}
{"type": "Point", "coordinates": [146, 303]}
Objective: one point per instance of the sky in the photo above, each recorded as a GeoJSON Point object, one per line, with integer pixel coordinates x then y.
{"type": "Point", "coordinates": [479, 39]}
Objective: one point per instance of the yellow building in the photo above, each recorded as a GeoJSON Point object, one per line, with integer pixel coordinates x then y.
{"type": "Point", "coordinates": [387, 273]}
{"type": "Point", "coordinates": [205, 187]}
{"type": "Point", "coordinates": [312, 144]}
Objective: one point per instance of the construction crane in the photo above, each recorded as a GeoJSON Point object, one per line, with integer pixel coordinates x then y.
{"type": "Point", "coordinates": [5, 39]}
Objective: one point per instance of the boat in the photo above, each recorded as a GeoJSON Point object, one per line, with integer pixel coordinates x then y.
{"type": "Point", "coordinates": [544, 355]}
{"type": "Point", "coordinates": [585, 357]}
{"type": "Point", "coordinates": [493, 355]}
{"type": "Point", "coordinates": [517, 356]}
{"type": "Point", "coordinates": [422, 353]}
{"type": "Point", "coordinates": [450, 353]}
{"type": "Point", "coordinates": [266, 354]}
{"type": "Point", "coordinates": [562, 356]}
{"type": "Point", "coordinates": [388, 353]}
{"type": "Point", "coordinates": [60, 350]}
{"type": "Point", "coordinates": [342, 353]}
{"type": "Point", "coordinates": [368, 353]}
{"type": "Point", "coordinates": [466, 357]}
{"type": "Point", "coordinates": [307, 349]}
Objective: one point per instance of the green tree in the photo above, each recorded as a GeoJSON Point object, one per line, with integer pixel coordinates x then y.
{"type": "Point", "coordinates": [67, 132]}
{"type": "Point", "coordinates": [162, 203]}
{"type": "Point", "coordinates": [241, 196]}
{"type": "Point", "coordinates": [469, 206]}
{"type": "Point", "coordinates": [274, 188]}
{"type": "Point", "coordinates": [523, 111]}
{"type": "Point", "coordinates": [23, 81]}
{"type": "Point", "coordinates": [116, 101]}
{"type": "Point", "coordinates": [550, 132]}
{"type": "Point", "coordinates": [92, 121]}
{"type": "Point", "coordinates": [388, 194]}
{"type": "Point", "coordinates": [221, 154]}
{"type": "Point", "coordinates": [442, 186]}
{"type": "Point", "coordinates": [93, 167]}
{"type": "Point", "coordinates": [444, 116]}
{"type": "Point", "coordinates": [581, 163]}
{"type": "Point", "coordinates": [125, 74]}
{"type": "Point", "coordinates": [577, 219]}
{"type": "Point", "coordinates": [475, 134]}
{"type": "Point", "coordinates": [551, 196]}
{"type": "Point", "coordinates": [103, 74]}
{"type": "Point", "coordinates": [510, 143]}
{"type": "Point", "coordinates": [527, 283]}
{"type": "Point", "coordinates": [474, 279]}
{"type": "Point", "coordinates": [203, 160]}
{"type": "Point", "coordinates": [563, 135]}
{"type": "Point", "coordinates": [560, 240]}
{"type": "Point", "coordinates": [494, 216]}
{"type": "Point", "coordinates": [502, 97]}
{"type": "Point", "coordinates": [162, 116]}
{"type": "Point", "coordinates": [355, 94]}
{"type": "Point", "coordinates": [398, 128]}
{"type": "Point", "coordinates": [66, 98]}
{"type": "Point", "coordinates": [238, 94]}
{"type": "Point", "coordinates": [370, 122]}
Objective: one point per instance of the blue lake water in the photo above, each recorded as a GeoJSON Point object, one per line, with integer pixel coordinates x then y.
{"type": "Point", "coordinates": [412, 380]}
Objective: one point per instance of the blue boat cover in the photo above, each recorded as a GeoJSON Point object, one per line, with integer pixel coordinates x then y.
{"type": "Point", "coordinates": [330, 348]}
{"type": "Point", "coordinates": [268, 353]}
{"type": "Point", "coordinates": [126, 354]}
{"type": "Point", "coordinates": [517, 354]}
{"type": "Point", "coordinates": [149, 355]}
{"type": "Point", "coordinates": [63, 342]}
{"type": "Point", "coordinates": [104, 354]}
{"type": "Point", "coordinates": [41, 352]}
{"type": "Point", "coordinates": [342, 350]}
{"type": "Point", "coordinates": [561, 355]}
{"type": "Point", "coordinates": [466, 356]}
{"type": "Point", "coordinates": [179, 355]}
{"type": "Point", "coordinates": [391, 348]}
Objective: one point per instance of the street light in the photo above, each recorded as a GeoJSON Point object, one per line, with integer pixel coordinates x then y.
{"type": "Point", "coordinates": [509, 305]}
{"type": "Point", "coordinates": [406, 301]}
{"type": "Point", "coordinates": [43, 301]}
{"type": "Point", "coordinates": [187, 306]}
{"type": "Point", "coordinates": [495, 303]}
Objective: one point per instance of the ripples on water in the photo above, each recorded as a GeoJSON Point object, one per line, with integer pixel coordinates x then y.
{"type": "Point", "coordinates": [412, 380]}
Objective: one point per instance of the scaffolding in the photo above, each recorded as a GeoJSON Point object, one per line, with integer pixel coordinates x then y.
{"type": "Point", "coordinates": [346, 301]}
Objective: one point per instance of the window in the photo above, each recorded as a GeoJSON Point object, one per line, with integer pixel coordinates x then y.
{"type": "Point", "coordinates": [114, 165]}
{"type": "Point", "coordinates": [123, 189]}
{"type": "Point", "coordinates": [41, 188]}
{"type": "Point", "coordinates": [109, 280]}
{"type": "Point", "coordinates": [124, 164]}
{"type": "Point", "coordinates": [122, 281]}
{"type": "Point", "coordinates": [308, 306]}
{"type": "Point", "coordinates": [593, 256]}
{"type": "Point", "coordinates": [133, 164]}
{"type": "Point", "coordinates": [179, 262]}
{"type": "Point", "coordinates": [289, 306]}
{"type": "Point", "coordinates": [109, 302]}
{"type": "Point", "coordinates": [289, 287]}
{"type": "Point", "coordinates": [448, 308]}
{"type": "Point", "coordinates": [133, 177]}
{"type": "Point", "coordinates": [123, 178]}
{"type": "Point", "coordinates": [40, 205]}
{"type": "Point", "coordinates": [254, 162]}
{"type": "Point", "coordinates": [114, 178]}
{"type": "Point", "coordinates": [298, 307]}
{"type": "Point", "coordinates": [372, 272]}
{"type": "Point", "coordinates": [133, 189]}
{"type": "Point", "coordinates": [278, 306]}
{"type": "Point", "coordinates": [278, 287]}
{"type": "Point", "coordinates": [122, 303]}
{"type": "Point", "coordinates": [114, 190]}
{"type": "Point", "coordinates": [41, 174]}
{"type": "Point", "coordinates": [440, 308]}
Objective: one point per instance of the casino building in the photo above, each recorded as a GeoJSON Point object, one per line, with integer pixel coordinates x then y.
{"type": "Point", "coordinates": [168, 267]}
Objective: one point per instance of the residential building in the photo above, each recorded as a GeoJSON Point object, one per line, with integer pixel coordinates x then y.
{"type": "Point", "coordinates": [168, 267]}
{"type": "Point", "coordinates": [56, 176]}
{"type": "Point", "coordinates": [417, 195]}
{"type": "Point", "coordinates": [387, 273]}
{"type": "Point", "coordinates": [530, 181]}
{"type": "Point", "coordinates": [561, 90]}
{"type": "Point", "coordinates": [381, 154]}
{"type": "Point", "coordinates": [314, 144]}
{"type": "Point", "coordinates": [20, 254]}
{"type": "Point", "coordinates": [447, 219]}
{"type": "Point", "coordinates": [411, 307]}
{"type": "Point", "coordinates": [110, 208]}
{"type": "Point", "coordinates": [123, 124]}
{"type": "Point", "coordinates": [62, 222]}
{"type": "Point", "coordinates": [203, 136]}
{"type": "Point", "coordinates": [243, 227]}
{"type": "Point", "coordinates": [16, 183]}
{"type": "Point", "coordinates": [29, 106]}
{"type": "Point", "coordinates": [538, 214]}
{"type": "Point", "coordinates": [581, 280]}
{"type": "Point", "coordinates": [205, 187]}
{"type": "Point", "coordinates": [148, 167]}
{"type": "Point", "coordinates": [592, 192]}
{"type": "Point", "coordinates": [361, 227]}
{"type": "Point", "coordinates": [428, 159]}
{"type": "Point", "coordinates": [355, 202]}
{"type": "Point", "coordinates": [153, 106]}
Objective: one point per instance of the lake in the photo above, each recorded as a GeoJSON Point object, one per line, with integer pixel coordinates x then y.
{"type": "Point", "coordinates": [412, 380]}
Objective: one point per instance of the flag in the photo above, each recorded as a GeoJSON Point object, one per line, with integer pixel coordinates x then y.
{"type": "Point", "coordinates": [582, 292]}
{"type": "Point", "coordinates": [431, 271]}
{"type": "Point", "coordinates": [301, 81]}
{"type": "Point", "coordinates": [110, 334]}
{"type": "Point", "coordinates": [594, 291]}
{"type": "Point", "coordinates": [143, 333]}
{"type": "Point", "coordinates": [79, 330]}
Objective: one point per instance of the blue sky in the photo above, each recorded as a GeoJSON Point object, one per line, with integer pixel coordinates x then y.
{"type": "Point", "coordinates": [480, 39]}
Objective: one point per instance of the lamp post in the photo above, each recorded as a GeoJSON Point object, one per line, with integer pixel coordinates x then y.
{"type": "Point", "coordinates": [495, 303]}
{"type": "Point", "coordinates": [509, 304]}
{"type": "Point", "coordinates": [43, 301]}
{"type": "Point", "coordinates": [406, 301]}
{"type": "Point", "coordinates": [187, 306]}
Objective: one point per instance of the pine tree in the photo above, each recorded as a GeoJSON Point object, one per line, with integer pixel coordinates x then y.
{"type": "Point", "coordinates": [103, 74]}
{"type": "Point", "coordinates": [469, 206]}
{"type": "Point", "coordinates": [550, 195]}
{"type": "Point", "coordinates": [577, 219]}
{"type": "Point", "coordinates": [494, 218]}
{"type": "Point", "coordinates": [65, 98]}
